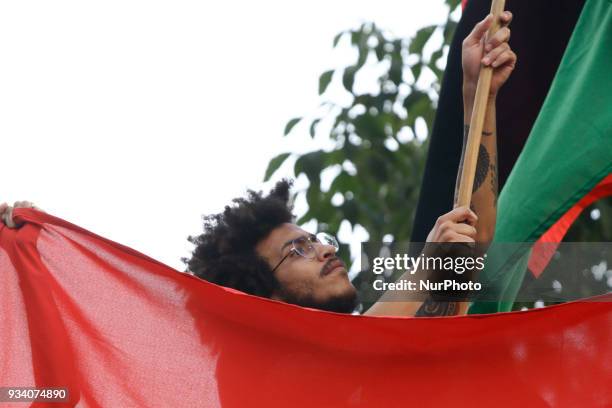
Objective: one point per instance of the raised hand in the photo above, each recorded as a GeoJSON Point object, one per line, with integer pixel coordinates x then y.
{"type": "Point", "coordinates": [494, 52]}
{"type": "Point", "coordinates": [6, 212]}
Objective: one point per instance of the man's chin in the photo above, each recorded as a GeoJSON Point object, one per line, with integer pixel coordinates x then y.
{"type": "Point", "coordinates": [344, 303]}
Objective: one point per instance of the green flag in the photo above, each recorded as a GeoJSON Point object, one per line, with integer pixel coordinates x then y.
{"type": "Point", "coordinates": [568, 152]}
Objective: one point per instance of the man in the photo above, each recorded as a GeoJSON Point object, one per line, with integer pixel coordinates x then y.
{"type": "Point", "coordinates": [253, 246]}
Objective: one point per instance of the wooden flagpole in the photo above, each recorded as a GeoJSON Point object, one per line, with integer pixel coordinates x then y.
{"type": "Point", "coordinates": [466, 182]}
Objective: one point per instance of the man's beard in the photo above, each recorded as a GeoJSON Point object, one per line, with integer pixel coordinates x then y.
{"type": "Point", "coordinates": [339, 304]}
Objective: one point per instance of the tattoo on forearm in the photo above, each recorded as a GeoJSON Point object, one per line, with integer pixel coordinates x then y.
{"type": "Point", "coordinates": [482, 168]}
{"type": "Point", "coordinates": [431, 308]}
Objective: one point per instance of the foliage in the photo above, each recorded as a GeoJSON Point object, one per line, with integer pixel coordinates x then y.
{"type": "Point", "coordinates": [377, 158]}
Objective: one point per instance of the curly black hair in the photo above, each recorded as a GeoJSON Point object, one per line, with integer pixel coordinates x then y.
{"type": "Point", "coordinates": [225, 252]}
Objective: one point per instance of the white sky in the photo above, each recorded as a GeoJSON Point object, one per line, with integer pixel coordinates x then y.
{"type": "Point", "coordinates": [133, 118]}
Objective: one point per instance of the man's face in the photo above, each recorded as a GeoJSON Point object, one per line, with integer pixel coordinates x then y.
{"type": "Point", "coordinates": [321, 282]}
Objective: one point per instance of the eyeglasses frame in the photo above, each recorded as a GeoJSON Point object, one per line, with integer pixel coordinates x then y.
{"type": "Point", "coordinates": [294, 249]}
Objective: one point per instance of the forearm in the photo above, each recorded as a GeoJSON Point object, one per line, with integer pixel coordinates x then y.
{"type": "Point", "coordinates": [485, 190]}
{"type": "Point", "coordinates": [409, 303]}
{"type": "Point", "coordinates": [427, 308]}
{"type": "Point", "coordinates": [397, 303]}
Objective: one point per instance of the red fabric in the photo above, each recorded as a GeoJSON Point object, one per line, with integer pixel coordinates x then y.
{"type": "Point", "coordinates": [463, 4]}
{"type": "Point", "coordinates": [545, 247]}
{"type": "Point", "coordinates": [120, 329]}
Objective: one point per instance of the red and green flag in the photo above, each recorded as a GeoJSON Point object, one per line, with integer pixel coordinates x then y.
{"type": "Point", "coordinates": [554, 134]}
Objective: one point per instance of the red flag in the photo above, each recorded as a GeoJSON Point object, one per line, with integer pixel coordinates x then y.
{"type": "Point", "coordinates": [545, 247]}
{"type": "Point", "coordinates": [119, 329]}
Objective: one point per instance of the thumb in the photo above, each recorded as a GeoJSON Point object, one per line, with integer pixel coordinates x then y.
{"type": "Point", "coordinates": [479, 31]}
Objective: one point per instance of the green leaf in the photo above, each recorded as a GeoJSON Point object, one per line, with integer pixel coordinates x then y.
{"type": "Point", "coordinates": [291, 124]}
{"type": "Point", "coordinates": [345, 182]}
{"type": "Point", "coordinates": [453, 4]}
{"type": "Point", "coordinates": [397, 46]}
{"type": "Point", "coordinates": [378, 167]}
{"type": "Point", "coordinates": [348, 78]}
{"type": "Point", "coordinates": [274, 164]}
{"type": "Point", "coordinates": [417, 104]}
{"type": "Point", "coordinates": [337, 37]}
{"type": "Point", "coordinates": [395, 72]}
{"type": "Point", "coordinates": [312, 198]}
{"type": "Point", "coordinates": [311, 164]}
{"type": "Point", "coordinates": [324, 80]}
{"type": "Point", "coordinates": [437, 71]}
{"type": "Point", "coordinates": [380, 47]}
{"type": "Point", "coordinates": [449, 30]}
{"type": "Point", "coordinates": [363, 56]}
{"type": "Point", "coordinates": [435, 57]}
{"type": "Point", "coordinates": [413, 98]}
{"type": "Point", "coordinates": [370, 127]}
{"type": "Point", "coordinates": [351, 211]}
{"type": "Point", "coordinates": [313, 126]}
{"type": "Point", "coordinates": [420, 39]}
{"type": "Point", "coordinates": [416, 71]}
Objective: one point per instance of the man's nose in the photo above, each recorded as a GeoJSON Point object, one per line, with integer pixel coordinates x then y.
{"type": "Point", "coordinates": [325, 251]}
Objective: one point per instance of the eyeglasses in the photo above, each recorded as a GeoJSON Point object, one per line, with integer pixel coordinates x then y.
{"type": "Point", "coordinates": [305, 246]}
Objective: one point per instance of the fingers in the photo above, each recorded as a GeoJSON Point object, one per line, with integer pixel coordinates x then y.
{"type": "Point", "coordinates": [23, 204]}
{"type": "Point", "coordinates": [497, 49]}
{"type": "Point", "coordinates": [493, 55]}
{"type": "Point", "coordinates": [460, 238]}
{"type": "Point", "coordinates": [479, 31]}
{"type": "Point", "coordinates": [459, 214]}
{"type": "Point", "coordinates": [456, 232]}
{"type": "Point", "coordinates": [506, 58]}
{"type": "Point", "coordinates": [500, 37]}
{"type": "Point", "coordinates": [6, 212]}
{"type": "Point", "coordinates": [7, 217]}
{"type": "Point", "coordinates": [465, 230]}
{"type": "Point", "coordinates": [506, 18]}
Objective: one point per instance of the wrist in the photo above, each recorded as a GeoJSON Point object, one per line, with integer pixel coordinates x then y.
{"type": "Point", "coordinates": [468, 101]}
{"type": "Point", "coordinates": [469, 91]}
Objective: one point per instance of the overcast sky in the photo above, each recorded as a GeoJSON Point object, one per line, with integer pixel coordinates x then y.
{"type": "Point", "coordinates": [134, 118]}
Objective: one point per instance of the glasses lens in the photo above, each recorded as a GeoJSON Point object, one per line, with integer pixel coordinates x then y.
{"type": "Point", "coordinates": [327, 239]}
{"type": "Point", "coordinates": [304, 247]}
